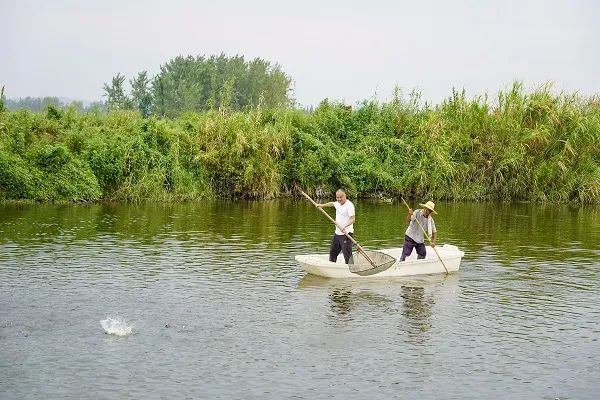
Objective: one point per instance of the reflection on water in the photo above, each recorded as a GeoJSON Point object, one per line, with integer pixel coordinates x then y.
{"type": "Point", "coordinates": [344, 300]}
{"type": "Point", "coordinates": [220, 309]}
{"type": "Point", "coordinates": [417, 309]}
{"type": "Point", "coordinates": [341, 301]}
{"type": "Point", "coordinates": [410, 299]}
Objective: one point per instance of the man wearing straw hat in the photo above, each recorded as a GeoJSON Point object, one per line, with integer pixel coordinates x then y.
{"type": "Point", "coordinates": [414, 236]}
{"type": "Point", "coordinates": [344, 218]}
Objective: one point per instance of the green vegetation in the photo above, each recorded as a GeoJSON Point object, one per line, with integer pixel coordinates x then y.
{"type": "Point", "coordinates": [196, 84]}
{"type": "Point", "coordinates": [39, 104]}
{"type": "Point", "coordinates": [536, 146]}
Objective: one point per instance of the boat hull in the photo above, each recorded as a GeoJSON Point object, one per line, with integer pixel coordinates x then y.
{"type": "Point", "coordinates": [319, 264]}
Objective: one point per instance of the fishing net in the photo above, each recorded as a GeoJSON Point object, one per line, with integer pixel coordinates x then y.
{"type": "Point", "coordinates": [360, 265]}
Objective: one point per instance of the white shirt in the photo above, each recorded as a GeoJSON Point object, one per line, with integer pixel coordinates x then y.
{"type": "Point", "coordinates": [342, 216]}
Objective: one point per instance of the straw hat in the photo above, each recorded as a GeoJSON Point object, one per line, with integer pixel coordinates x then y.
{"type": "Point", "coordinates": [430, 205]}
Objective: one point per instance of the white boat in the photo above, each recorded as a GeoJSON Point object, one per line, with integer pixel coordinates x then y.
{"type": "Point", "coordinates": [319, 264]}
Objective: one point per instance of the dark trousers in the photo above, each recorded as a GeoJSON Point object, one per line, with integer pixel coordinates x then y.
{"type": "Point", "coordinates": [343, 244]}
{"type": "Point", "coordinates": [409, 245]}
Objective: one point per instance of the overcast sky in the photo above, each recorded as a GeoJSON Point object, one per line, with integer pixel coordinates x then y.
{"type": "Point", "coordinates": [344, 49]}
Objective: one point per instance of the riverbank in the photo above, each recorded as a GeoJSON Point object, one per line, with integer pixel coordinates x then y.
{"type": "Point", "coordinates": [536, 146]}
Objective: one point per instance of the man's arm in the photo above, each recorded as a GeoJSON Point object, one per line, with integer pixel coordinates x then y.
{"type": "Point", "coordinates": [433, 238]}
{"type": "Point", "coordinates": [350, 222]}
{"type": "Point", "coordinates": [330, 204]}
{"type": "Point", "coordinates": [408, 216]}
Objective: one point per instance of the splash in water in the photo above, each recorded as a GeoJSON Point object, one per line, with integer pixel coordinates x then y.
{"type": "Point", "coordinates": [116, 326]}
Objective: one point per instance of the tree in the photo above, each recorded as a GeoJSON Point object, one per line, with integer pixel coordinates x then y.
{"type": "Point", "coordinates": [141, 98]}
{"type": "Point", "coordinates": [77, 105]}
{"type": "Point", "coordinates": [199, 83]}
{"type": "Point", "coordinates": [115, 95]}
{"type": "Point", "coordinates": [2, 99]}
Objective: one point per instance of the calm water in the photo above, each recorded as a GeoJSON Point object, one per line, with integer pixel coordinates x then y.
{"type": "Point", "coordinates": [219, 309]}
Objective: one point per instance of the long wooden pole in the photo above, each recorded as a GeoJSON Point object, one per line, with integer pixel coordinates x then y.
{"type": "Point", "coordinates": [427, 236]}
{"type": "Point", "coordinates": [364, 253]}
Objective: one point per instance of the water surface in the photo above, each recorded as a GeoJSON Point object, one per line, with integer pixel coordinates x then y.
{"type": "Point", "coordinates": [219, 309]}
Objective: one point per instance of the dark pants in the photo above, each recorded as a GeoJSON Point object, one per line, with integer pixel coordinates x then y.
{"type": "Point", "coordinates": [409, 244]}
{"type": "Point", "coordinates": [343, 244]}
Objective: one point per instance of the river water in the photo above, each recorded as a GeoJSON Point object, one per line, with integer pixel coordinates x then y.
{"type": "Point", "coordinates": [206, 301]}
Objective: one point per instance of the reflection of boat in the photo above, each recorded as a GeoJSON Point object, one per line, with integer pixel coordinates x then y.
{"type": "Point", "coordinates": [319, 264]}
{"type": "Point", "coordinates": [387, 286]}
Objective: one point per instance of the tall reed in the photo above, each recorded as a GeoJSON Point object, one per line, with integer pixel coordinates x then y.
{"type": "Point", "coordinates": [519, 145]}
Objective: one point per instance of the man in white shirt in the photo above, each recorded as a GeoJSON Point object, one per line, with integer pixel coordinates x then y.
{"type": "Point", "coordinates": [344, 220]}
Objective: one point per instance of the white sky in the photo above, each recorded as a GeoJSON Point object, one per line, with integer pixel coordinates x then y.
{"type": "Point", "coordinates": [347, 50]}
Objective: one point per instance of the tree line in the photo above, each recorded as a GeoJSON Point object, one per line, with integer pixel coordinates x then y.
{"type": "Point", "coordinates": [39, 104]}
{"type": "Point", "coordinates": [185, 84]}
{"type": "Point", "coordinates": [196, 84]}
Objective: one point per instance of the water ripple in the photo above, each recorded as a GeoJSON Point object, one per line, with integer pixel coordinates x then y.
{"type": "Point", "coordinates": [220, 309]}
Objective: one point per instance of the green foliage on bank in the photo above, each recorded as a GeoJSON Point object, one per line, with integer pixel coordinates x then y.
{"type": "Point", "coordinates": [536, 146]}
